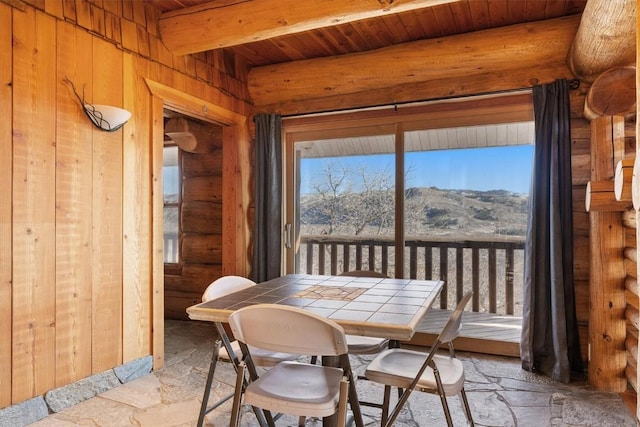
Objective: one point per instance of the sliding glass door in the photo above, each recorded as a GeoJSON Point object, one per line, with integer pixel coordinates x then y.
{"type": "Point", "coordinates": [433, 191]}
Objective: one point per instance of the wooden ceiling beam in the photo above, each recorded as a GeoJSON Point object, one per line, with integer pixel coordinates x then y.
{"type": "Point", "coordinates": [606, 38]}
{"type": "Point", "coordinates": [466, 59]}
{"type": "Point", "coordinates": [216, 24]}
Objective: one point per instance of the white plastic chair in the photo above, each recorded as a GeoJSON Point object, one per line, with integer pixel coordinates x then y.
{"type": "Point", "coordinates": [431, 373]}
{"type": "Point", "coordinates": [302, 389]}
{"type": "Point", "coordinates": [217, 289]}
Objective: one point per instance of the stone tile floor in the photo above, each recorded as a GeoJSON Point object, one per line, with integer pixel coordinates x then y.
{"type": "Point", "coordinates": [499, 391]}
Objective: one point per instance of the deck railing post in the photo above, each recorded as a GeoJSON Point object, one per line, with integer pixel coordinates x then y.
{"type": "Point", "coordinates": [413, 262]}
{"type": "Point", "coordinates": [385, 260]}
{"type": "Point", "coordinates": [444, 276]}
{"type": "Point", "coordinates": [346, 257]}
{"type": "Point", "coordinates": [428, 262]}
{"type": "Point", "coordinates": [321, 258]}
{"type": "Point", "coordinates": [475, 279]}
{"type": "Point", "coordinates": [334, 259]}
{"type": "Point", "coordinates": [459, 274]}
{"type": "Point", "coordinates": [508, 281]}
{"type": "Point", "coordinates": [372, 256]}
{"type": "Point", "coordinates": [492, 280]}
{"type": "Point", "coordinates": [310, 257]}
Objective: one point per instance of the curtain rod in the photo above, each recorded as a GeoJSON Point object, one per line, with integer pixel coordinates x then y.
{"type": "Point", "coordinates": [573, 84]}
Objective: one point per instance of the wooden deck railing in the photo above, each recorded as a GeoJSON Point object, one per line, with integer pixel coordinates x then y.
{"type": "Point", "coordinates": [493, 269]}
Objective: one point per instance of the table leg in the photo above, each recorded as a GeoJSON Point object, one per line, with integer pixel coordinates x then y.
{"type": "Point", "coordinates": [343, 362]}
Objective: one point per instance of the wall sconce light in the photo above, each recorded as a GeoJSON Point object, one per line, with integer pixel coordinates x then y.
{"type": "Point", "coordinates": [104, 117]}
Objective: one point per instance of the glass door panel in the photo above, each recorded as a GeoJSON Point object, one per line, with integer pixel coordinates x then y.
{"type": "Point", "coordinates": [466, 199]}
{"type": "Point", "coordinates": [345, 201]}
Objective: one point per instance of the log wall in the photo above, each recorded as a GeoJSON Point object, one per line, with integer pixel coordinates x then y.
{"type": "Point", "coordinates": [81, 284]}
{"type": "Point", "coordinates": [201, 228]}
{"type": "Point", "coordinates": [606, 291]}
{"type": "Point", "coordinates": [631, 299]}
{"type": "Point", "coordinates": [630, 254]}
{"type": "Point", "coordinates": [581, 170]}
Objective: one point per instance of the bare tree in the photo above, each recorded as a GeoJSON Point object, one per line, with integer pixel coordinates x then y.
{"type": "Point", "coordinates": [373, 205]}
{"type": "Point", "coordinates": [331, 184]}
{"type": "Point", "coordinates": [354, 198]}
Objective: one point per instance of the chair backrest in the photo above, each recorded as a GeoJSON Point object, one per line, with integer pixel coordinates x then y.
{"type": "Point", "coordinates": [363, 273]}
{"type": "Point", "coordinates": [288, 329]}
{"type": "Point", "coordinates": [226, 285]}
{"type": "Point", "coordinates": [454, 324]}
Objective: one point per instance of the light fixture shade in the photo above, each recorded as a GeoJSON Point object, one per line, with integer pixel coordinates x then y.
{"type": "Point", "coordinates": [107, 117]}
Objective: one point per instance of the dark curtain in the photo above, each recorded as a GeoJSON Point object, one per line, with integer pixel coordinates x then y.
{"type": "Point", "coordinates": [550, 343]}
{"type": "Point", "coordinates": [267, 235]}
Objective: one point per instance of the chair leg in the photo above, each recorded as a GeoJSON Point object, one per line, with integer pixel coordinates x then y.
{"type": "Point", "coordinates": [443, 398]}
{"type": "Point", "coordinates": [342, 402]}
{"type": "Point", "coordinates": [237, 397]}
{"type": "Point", "coordinates": [354, 402]}
{"type": "Point", "coordinates": [467, 409]}
{"type": "Point", "coordinates": [207, 387]}
{"type": "Point", "coordinates": [385, 405]}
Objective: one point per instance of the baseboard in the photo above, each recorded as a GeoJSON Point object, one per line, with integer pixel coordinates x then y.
{"type": "Point", "coordinates": [475, 345]}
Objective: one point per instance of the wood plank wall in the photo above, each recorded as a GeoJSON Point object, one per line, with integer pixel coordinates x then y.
{"type": "Point", "coordinates": [74, 151]}
{"type": "Point", "coordinates": [78, 271]}
{"type": "Point", "coordinates": [34, 130]}
{"type": "Point", "coordinates": [6, 160]}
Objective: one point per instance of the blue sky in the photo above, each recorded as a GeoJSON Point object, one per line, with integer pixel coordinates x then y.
{"type": "Point", "coordinates": [494, 168]}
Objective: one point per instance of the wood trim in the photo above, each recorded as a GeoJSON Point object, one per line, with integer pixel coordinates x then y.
{"type": "Point", "coordinates": [235, 175]}
{"type": "Point", "coordinates": [291, 168]}
{"type": "Point", "coordinates": [236, 170]}
{"type": "Point", "coordinates": [634, 182]}
{"type": "Point", "coordinates": [190, 105]}
{"type": "Point", "coordinates": [157, 233]}
{"type": "Point", "coordinates": [500, 108]}
{"type": "Point", "coordinates": [399, 201]}
{"type": "Point", "coordinates": [475, 345]}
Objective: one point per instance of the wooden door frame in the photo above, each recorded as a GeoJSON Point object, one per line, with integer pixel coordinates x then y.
{"type": "Point", "coordinates": [235, 170]}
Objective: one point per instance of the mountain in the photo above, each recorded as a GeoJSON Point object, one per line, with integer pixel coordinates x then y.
{"type": "Point", "coordinates": [429, 211]}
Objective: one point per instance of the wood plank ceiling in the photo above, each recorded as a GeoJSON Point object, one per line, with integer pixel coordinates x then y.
{"type": "Point", "coordinates": [454, 17]}
{"type": "Point", "coordinates": [445, 18]}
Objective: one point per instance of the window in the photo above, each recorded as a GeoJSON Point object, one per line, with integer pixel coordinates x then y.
{"type": "Point", "coordinates": [171, 198]}
{"type": "Point", "coordinates": [436, 191]}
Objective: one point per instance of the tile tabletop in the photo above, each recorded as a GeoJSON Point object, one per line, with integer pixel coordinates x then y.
{"type": "Point", "coordinates": [379, 307]}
